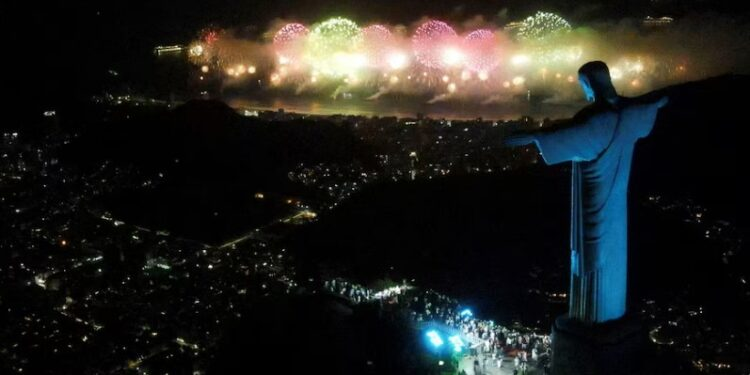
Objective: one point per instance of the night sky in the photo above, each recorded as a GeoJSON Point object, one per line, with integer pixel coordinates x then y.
{"type": "Point", "coordinates": [61, 48]}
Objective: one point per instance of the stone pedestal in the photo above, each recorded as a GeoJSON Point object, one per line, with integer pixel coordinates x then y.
{"type": "Point", "coordinates": [611, 348]}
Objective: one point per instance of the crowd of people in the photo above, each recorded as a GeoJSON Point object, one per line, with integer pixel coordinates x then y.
{"type": "Point", "coordinates": [357, 293]}
{"type": "Point", "coordinates": [492, 345]}
{"type": "Point", "coordinates": [489, 344]}
{"type": "Point", "coordinates": [354, 292]}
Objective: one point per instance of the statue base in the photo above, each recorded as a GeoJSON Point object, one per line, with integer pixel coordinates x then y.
{"type": "Point", "coordinates": [612, 348]}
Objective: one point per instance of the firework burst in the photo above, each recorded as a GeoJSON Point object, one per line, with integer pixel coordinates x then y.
{"type": "Point", "coordinates": [333, 46]}
{"type": "Point", "coordinates": [482, 51]}
{"type": "Point", "coordinates": [288, 42]}
{"type": "Point", "coordinates": [377, 44]}
{"type": "Point", "coordinates": [541, 26]}
{"type": "Point", "coordinates": [436, 45]}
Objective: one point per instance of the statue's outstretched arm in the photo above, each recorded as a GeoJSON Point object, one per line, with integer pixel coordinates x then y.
{"type": "Point", "coordinates": [582, 139]}
{"type": "Point", "coordinates": [519, 139]}
{"type": "Point", "coordinates": [663, 101]}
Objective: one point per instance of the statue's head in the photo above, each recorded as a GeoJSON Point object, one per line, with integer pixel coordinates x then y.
{"type": "Point", "coordinates": [596, 82]}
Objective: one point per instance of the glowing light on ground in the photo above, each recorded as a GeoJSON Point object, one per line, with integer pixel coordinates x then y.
{"type": "Point", "coordinates": [196, 50]}
{"type": "Point", "coordinates": [520, 60]}
{"type": "Point", "coordinates": [453, 56]}
{"type": "Point", "coordinates": [397, 60]}
{"type": "Point", "coordinates": [435, 338]}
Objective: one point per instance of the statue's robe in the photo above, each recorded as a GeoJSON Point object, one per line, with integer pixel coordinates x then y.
{"type": "Point", "coordinates": [599, 141]}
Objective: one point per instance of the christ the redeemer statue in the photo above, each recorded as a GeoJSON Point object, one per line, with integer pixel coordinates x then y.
{"type": "Point", "coordinates": [599, 142]}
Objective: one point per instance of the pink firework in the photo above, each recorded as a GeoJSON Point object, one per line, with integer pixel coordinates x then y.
{"type": "Point", "coordinates": [432, 41]}
{"type": "Point", "coordinates": [377, 33]}
{"type": "Point", "coordinates": [377, 42]}
{"type": "Point", "coordinates": [482, 52]}
{"type": "Point", "coordinates": [209, 37]}
{"type": "Point", "coordinates": [288, 42]}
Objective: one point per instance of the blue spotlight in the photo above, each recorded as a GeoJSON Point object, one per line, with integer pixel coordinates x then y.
{"type": "Point", "coordinates": [435, 339]}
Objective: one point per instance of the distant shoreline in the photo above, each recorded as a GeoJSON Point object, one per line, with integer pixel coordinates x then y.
{"type": "Point", "coordinates": [403, 108]}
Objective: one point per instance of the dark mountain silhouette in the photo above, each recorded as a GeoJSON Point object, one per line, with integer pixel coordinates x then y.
{"type": "Point", "coordinates": [320, 334]}
{"type": "Point", "coordinates": [212, 161]}
{"type": "Point", "coordinates": [697, 148]}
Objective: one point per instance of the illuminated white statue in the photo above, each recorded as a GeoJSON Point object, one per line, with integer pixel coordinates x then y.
{"type": "Point", "coordinates": [599, 141]}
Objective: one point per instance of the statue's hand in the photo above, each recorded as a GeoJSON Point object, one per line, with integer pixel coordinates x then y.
{"type": "Point", "coordinates": [516, 140]}
{"type": "Point", "coordinates": [662, 102]}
